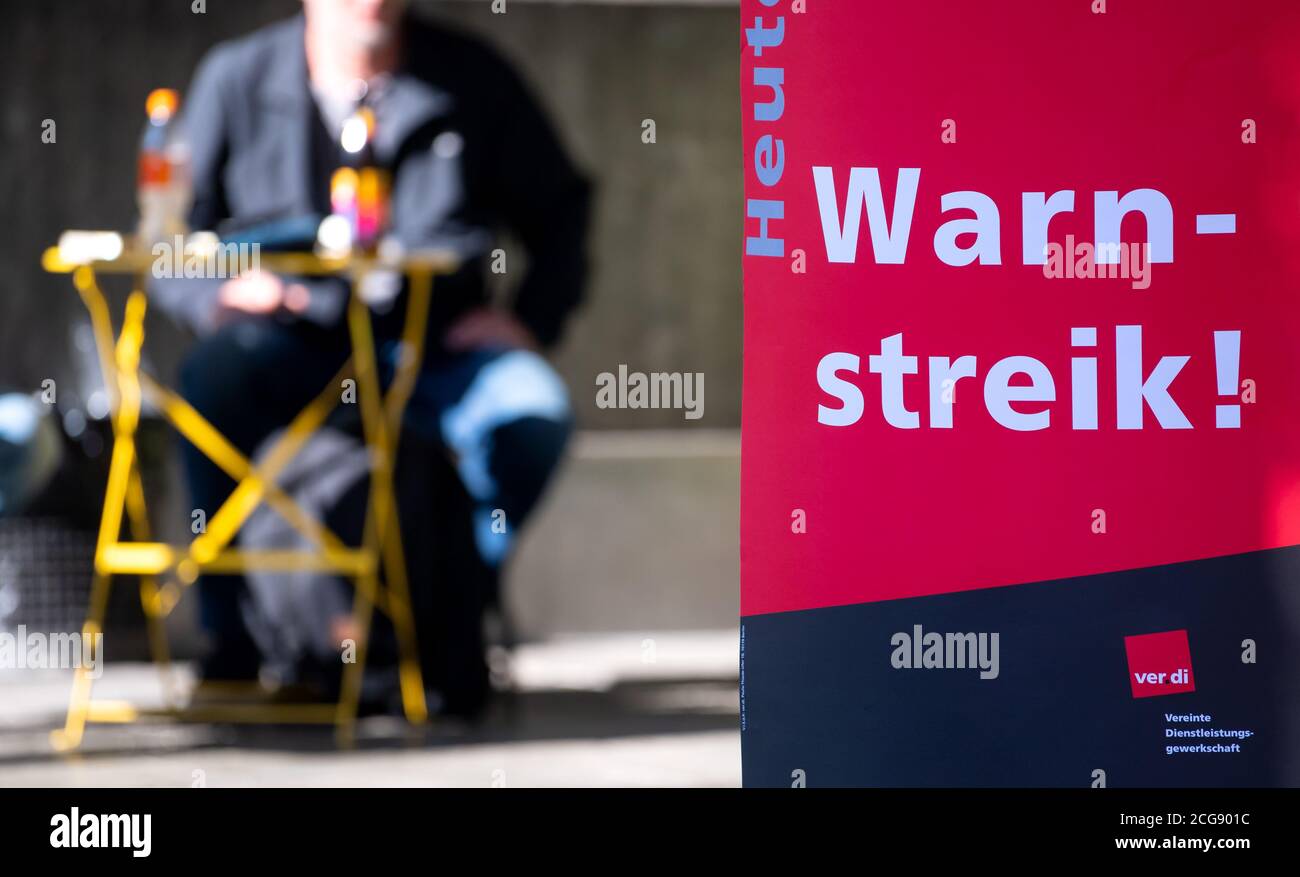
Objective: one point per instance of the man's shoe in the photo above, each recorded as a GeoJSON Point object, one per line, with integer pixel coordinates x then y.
{"type": "Point", "coordinates": [225, 664]}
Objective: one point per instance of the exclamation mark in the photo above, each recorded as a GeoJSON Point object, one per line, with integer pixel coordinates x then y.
{"type": "Point", "coordinates": [1227, 363]}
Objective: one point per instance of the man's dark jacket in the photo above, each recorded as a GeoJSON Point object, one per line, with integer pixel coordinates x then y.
{"type": "Point", "coordinates": [470, 151]}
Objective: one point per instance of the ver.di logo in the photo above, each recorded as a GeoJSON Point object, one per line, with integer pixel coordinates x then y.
{"type": "Point", "coordinates": [1159, 663]}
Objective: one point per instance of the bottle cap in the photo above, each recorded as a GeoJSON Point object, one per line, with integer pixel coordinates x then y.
{"type": "Point", "coordinates": [161, 104]}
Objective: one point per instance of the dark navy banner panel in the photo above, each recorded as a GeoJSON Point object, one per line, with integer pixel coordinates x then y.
{"type": "Point", "coordinates": [822, 695]}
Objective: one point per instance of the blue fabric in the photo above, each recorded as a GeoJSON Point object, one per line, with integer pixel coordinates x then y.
{"type": "Point", "coordinates": [464, 400]}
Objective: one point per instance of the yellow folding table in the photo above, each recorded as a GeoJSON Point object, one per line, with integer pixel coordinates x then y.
{"type": "Point", "coordinates": [377, 566]}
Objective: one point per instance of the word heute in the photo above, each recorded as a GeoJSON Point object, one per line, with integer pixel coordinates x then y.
{"type": "Point", "coordinates": [769, 149]}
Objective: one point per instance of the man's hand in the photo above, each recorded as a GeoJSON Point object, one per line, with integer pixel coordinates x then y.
{"type": "Point", "coordinates": [261, 292]}
{"type": "Point", "coordinates": [489, 327]}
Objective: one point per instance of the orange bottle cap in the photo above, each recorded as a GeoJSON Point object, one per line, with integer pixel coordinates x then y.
{"type": "Point", "coordinates": [161, 104]}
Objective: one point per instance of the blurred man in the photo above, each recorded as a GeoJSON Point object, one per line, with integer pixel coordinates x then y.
{"type": "Point", "coordinates": [470, 153]}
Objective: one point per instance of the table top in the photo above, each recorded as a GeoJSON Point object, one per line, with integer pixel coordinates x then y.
{"type": "Point", "coordinates": [113, 253]}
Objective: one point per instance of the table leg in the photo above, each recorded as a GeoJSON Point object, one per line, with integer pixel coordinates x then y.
{"type": "Point", "coordinates": [156, 601]}
{"type": "Point", "coordinates": [382, 434]}
{"type": "Point", "coordinates": [125, 417]}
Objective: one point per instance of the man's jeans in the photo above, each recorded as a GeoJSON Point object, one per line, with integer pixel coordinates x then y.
{"type": "Point", "coordinates": [502, 414]}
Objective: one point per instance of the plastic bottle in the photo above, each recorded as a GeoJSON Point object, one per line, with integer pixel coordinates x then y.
{"type": "Point", "coordinates": [163, 191]}
{"type": "Point", "coordinates": [365, 189]}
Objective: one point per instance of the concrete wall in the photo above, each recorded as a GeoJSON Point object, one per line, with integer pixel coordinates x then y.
{"type": "Point", "coordinates": [665, 294]}
{"type": "Point", "coordinates": [640, 531]}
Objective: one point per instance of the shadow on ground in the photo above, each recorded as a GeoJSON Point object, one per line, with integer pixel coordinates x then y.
{"type": "Point", "coordinates": [626, 710]}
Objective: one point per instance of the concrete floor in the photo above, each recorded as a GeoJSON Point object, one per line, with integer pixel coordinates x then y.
{"type": "Point", "coordinates": [643, 709]}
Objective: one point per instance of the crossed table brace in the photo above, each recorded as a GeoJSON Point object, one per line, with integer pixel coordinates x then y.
{"type": "Point", "coordinates": [377, 566]}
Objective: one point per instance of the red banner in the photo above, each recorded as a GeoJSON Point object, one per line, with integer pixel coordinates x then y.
{"type": "Point", "coordinates": [1021, 296]}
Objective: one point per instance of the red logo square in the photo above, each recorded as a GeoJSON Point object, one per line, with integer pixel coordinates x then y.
{"type": "Point", "coordinates": [1159, 663]}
